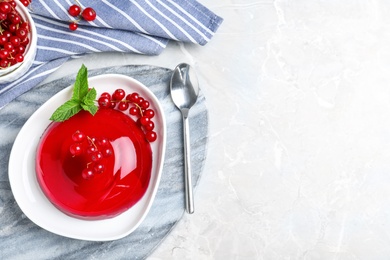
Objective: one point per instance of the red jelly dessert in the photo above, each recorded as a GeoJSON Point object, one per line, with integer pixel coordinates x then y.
{"type": "Point", "coordinates": [94, 167]}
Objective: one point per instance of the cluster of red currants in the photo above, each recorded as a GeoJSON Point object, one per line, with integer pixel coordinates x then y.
{"type": "Point", "coordinates": [88, 14]}
{"type": "Point", "coordinates": [14, 34]}
{"type": "Point", "coordinates": [136, 105]}
{"type": "Point", "coordinates": [94, 149]}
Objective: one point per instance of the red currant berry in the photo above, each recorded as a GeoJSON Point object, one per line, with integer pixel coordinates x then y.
{"type": "Point", "coordinates": [95, 157]}
{"type": "Point", "coordinates": [25, 2]}
{"type": "Point", "coordinates": [8, 34]}
{"type": "Point", "coordinates": [87, 173]}
{"type": "Point", "coordinates": [21, 33]}
{"type": "Point", "coordinates": [5, 63]}
{"type": "Point", "coordinates": [104, 102]}
{"type": "Point", "coordinates": [8, 46]}
{"type": "Point", "coordinates": [113, 104]}
{"type": "Point", "coordinates": [122, 106]}
{"type": "Point", "coordinates": [14, 18]}
{"type": "Point", "coordinates": [149, 113]}
{"type": "Point", "coordinates": [107, 152]}
{"type": "Point", "coordinates": [12, 3]}
{"type": "Point", "coordinates": [3, 39]}
{"type": "Point", "coordinates": [4, 54]}
{"type": "Point", "coordinates": [91, 149]}
{"type": "Point", "coordinates": [134, 97]}
{"type": "Point", "coordinates": [12, 28]}
{"type": "Point", "coordinates": [149, 126]}
{"type": "Point", "coordinates": [118, 94]}
{"type": "Point", "coordinates": [133, 111]}
{"type": "Point", "coordinates": [20, 49]}
{"type": "Point", "coordinates": [88, 14]}
{"type": "Point", "coordinates": [144, 120]}
{"type": "Point", "coordinates": [151, 136]}
{"type": "Point", "coordinates": [75, 149]}
{"type": "Point", "coordinates": [103, 142]}
{"type": "Point", "coordinates": [74, 10]}
{"type": "Point", "coordinates": [15, 41]}
{"type": "Point", "coordinates": [78, 136]}
{"type": "Point", "coordinates": [73, 26]}
{"type": "Point", "coordinates": [5, 7]}
{"type": "Point", "coordinates": [99, 168]}
{"type": "Point", "coordinates": [145, 104]}
{"type": "Point", "coordinates": [19, 58]}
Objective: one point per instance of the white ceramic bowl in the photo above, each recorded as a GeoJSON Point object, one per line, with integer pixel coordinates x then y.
{"type": "Point", "coordinates": [16, 71]}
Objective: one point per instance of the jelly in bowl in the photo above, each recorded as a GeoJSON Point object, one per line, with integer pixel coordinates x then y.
{"type": "Point", "coordinates": [88, 209]}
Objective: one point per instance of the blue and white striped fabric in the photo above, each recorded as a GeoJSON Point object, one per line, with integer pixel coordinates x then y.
{"type": "Point", "coordinates": [133, 26]}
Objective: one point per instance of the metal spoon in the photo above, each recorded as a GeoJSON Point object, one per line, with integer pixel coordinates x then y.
{"type": "Point", "coordinates": [184, 92]}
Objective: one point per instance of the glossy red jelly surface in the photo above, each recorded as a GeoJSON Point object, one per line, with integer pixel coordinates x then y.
{"type": "Point", "coordinates": [126, 173]}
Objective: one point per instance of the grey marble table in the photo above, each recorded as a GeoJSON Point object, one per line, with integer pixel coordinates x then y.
{"type": "Point", "coordinates": [22, 239]}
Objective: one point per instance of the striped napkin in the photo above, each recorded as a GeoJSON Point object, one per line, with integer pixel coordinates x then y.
{"type": "Point", "coordinates": [132, 26]}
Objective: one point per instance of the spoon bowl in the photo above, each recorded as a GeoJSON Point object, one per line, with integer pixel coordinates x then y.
{"type": "Point", "coordinates": [184, 89]}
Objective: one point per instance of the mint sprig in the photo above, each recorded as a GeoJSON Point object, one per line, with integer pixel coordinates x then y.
{"type": "Point", "coordinates": [82, 98]}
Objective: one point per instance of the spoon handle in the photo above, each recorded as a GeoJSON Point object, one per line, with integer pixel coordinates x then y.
{"type": "Point", "coordinates": [187, 167]}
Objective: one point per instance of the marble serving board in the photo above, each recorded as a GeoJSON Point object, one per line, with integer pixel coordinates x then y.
{"type": "Point", "coordinates": [22, 239]}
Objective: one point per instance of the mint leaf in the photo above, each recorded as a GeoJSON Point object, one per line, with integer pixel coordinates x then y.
{"type": "Point", "coordinates": [82, 98]}
{"type": "Point", "coordinates": [89, 98]}
{"type": "Point", "coordinates": [88, 102]}
{"type": "Point", "coordinates": [90, 108]}
{"type": "Point", "coordinates": [66, 110]}
{"type": "Point", "coordinates": [80, 88]}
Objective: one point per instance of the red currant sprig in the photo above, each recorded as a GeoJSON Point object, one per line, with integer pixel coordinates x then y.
{"type": "Point", "coordinates": [93, 149]}
{"type": "Point", "coordinates": [136, 105]}
{"type": "Point", "coordinates": [75, 10]}
{"type": "Point", "coordinates": [14, 34]}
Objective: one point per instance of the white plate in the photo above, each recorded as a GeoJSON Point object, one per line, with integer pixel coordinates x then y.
{"type": "Point", "coordinates": [34, 203]}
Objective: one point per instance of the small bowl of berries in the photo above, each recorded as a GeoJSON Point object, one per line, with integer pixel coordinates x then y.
{"type": "Point", "coordinates": [18, 40]}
